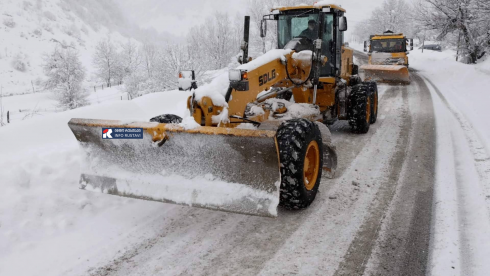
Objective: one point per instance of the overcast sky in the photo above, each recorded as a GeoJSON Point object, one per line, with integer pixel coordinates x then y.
{"type": "Point", "coordinates": [178, 16]}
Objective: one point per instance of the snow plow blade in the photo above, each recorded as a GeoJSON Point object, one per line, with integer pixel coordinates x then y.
{"type": "Point", "coordinates": [234, 170]}
{"type": "Point", "coordinates": [386, 73]}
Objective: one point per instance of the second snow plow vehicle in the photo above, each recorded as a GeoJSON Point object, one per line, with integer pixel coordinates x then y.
{"type": "Point", "coordinates": [388, 58]}
{"type": "Point", "coordinates": [244, 148]}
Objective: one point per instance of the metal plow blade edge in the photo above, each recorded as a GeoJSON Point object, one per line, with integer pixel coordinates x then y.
{"type": "Point", "coordinates": [386, 73]}
{"type": "Point", "coordinates": [233, 170]}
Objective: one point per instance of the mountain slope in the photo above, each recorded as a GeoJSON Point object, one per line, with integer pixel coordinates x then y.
{"type": "Point", "coordinates": [30, 28]}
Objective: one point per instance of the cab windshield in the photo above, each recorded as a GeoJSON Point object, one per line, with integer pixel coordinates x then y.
{"type": "Point", "coordinates": [388, 45]}
{"type": "Point", "coordinates": [306, 24]}
{"type": "Point", "coordinates": [300, 25]}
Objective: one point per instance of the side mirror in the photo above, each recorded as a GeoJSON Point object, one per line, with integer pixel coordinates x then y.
{"type": "Point", "coordinates": [343, 24]}
{"type": "Point", "coordinates": [365, 46]}
{"type": "Point", "coordinates": [263, 28]}
{"type": "Point", "coordinates": [411, 44]}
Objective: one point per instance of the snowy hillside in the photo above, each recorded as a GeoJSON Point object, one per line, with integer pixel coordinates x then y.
{"type": "Point", "coordinates": [31, 28]}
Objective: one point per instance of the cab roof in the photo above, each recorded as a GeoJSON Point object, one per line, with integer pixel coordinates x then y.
{"type": "Point", "coordinates": [318, 6]}
{"type": "Point", "coordinates": [388, 36]}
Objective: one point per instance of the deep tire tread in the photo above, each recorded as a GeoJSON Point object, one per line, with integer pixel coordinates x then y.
{"type": "Point", "coordinates": [293, 138]}
{"type": "Point", "coordinates": [357, 108]}
{"type": "Point", "coordinates": [373, 93]}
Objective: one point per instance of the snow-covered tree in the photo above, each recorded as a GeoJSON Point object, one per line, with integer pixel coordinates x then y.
{"type": "Point", "coordinates": [130, 57]}
{"type": "Point", "coordinates": [65, 74]}
{"type": "Point", "coordinates": [214, 43]}
{"type": "Point", "coordinates": [393, 15]}
{"type": "Point", "coordinates": [465, 23]}
{"type": "Point", "coordinates": [106, 61]}
{"type": "Point", "coordinates": [210, 46]}
{"type": "Point", "coordinates": [150, 55]}
{"type": "Point", "coordinates": [172, 59]}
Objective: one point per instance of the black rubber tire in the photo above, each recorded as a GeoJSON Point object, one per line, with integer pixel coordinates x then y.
{"type": "Point", "coordinates": [373, 93]}
{"type": "Point", "coordinates": [355, 69]}
{"type": "Point", "coordinates": [355, 80]}
{"type": "Point", "coordinates": [358, 100]}
{"type": "Point", "coordinates": [285, 96]}
{"type": "Point", "coordinates": [293, 138]}
{"type": "Point", "coordinates": [194, 86]}
{"type": "Point", "coordinates": [167, 119]}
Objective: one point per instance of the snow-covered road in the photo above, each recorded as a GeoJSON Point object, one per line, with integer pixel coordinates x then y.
{"type": "Point", "coordinates": [408, 199]}
{"type": "Point", "coordinates": [377, 218]}
{"type": "Point", "coordinates": [380, 203]}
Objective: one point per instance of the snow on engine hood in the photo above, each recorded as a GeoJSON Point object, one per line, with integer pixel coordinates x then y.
{"type": "Point", "coordinates": [218, 87]}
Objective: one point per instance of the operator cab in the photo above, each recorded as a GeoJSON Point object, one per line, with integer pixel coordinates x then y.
{"type": "Point", "coordinates": [388, 42]}
{"type": "Point", "coordinates": [299, 27]}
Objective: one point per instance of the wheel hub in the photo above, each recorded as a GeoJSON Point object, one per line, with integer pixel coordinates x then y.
{"type": "Point", "coordinates": [311, 165]}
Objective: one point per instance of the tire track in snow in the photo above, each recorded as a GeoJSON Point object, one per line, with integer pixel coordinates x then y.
{"type": "Point", "coordinates": [395, 238]}
{"type": "Point", "coordinates": [360, 249]}
{"type": "Point", "coordinates": [403, 244]}
{"type": "Point", "coordinates": [215, 243]}
{"type": "Point", "coordinates": [309, 242]}
{"type": "Point", "coordinates": [324, 241]}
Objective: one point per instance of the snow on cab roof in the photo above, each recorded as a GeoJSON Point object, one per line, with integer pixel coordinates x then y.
{"type": "Point", "coordinates": [318, 5]}
{"type": "Point", "coordinates": [387, 36]}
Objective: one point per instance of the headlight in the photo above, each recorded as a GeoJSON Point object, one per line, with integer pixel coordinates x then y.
{"type": "Point", "coordinates": [398, 61]}
{"type": "Point", "coordinates": [237, 75]}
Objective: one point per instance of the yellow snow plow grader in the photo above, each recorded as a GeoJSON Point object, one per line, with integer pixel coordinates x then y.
{"type": "Point", "coordinates": [388, 60]}
{"type": "Point", "coordinates": [252, 139]}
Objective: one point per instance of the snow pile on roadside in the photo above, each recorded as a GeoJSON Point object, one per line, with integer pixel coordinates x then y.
{"type": "Point", "coordinates": [169, 102]}
{"type": "Point", "coordinates": [464, 86]}
{"type": "Point", "coordinates": [460, 243]}
{"type": "Point", "coordinates": [357, 46]}
{"type": "Point", "coordinates": [42, 211]}
{"type": "Point", "coordinates": [23, 107]}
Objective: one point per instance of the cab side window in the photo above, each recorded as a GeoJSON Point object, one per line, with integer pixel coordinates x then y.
{"type": "Point", "coordinates": [327, 45]}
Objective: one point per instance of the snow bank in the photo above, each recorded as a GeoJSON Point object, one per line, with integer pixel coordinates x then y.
{"type": "Point", "coordinates": [40, 203]}
{"type": "Point", "coordinates": [45, 220]}
{"type": "Point", "coordinates": [169, 102]}
{"type": "Point", "coordinates": [460, 243]}
{"type": "Point", "coordinates": [42, 211]}
{"type": "Point", "coordinates": [464, 86]}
